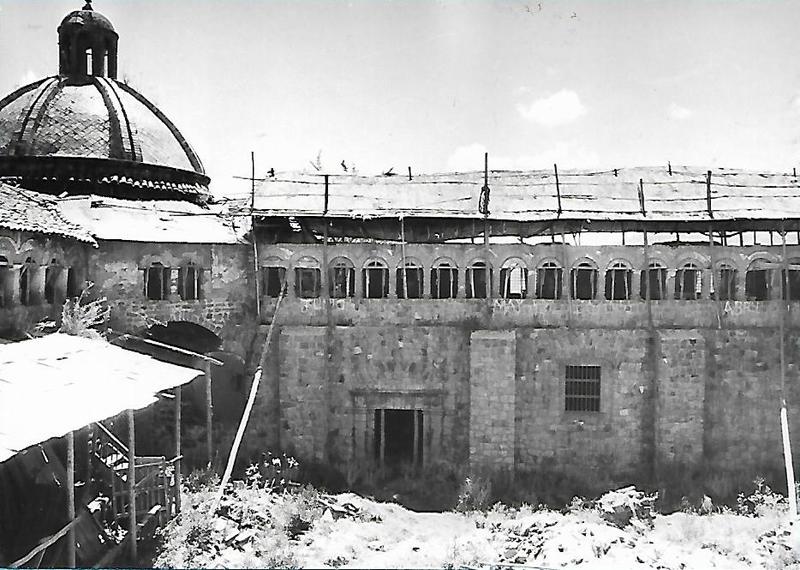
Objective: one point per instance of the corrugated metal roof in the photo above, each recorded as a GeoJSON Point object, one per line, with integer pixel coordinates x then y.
{"type": "Point", "coordinates": [47, 389]}
{"type": "Point", "coordinates": [157, 221]}
{"type": "Point", "coordinates": [24, 210]}
{"type": "Point", "coordinates": [533, 196]}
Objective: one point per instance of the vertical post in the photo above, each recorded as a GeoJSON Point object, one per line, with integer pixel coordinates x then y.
{"type": "Point", "coordinates": [177, 465]}
{"type": "Point", "coordinates": [714, 285]}
{"type": "Point", "coordinates": [132, 487]}
{"type": "Point", "coordinates": [487, 269]}
{"type": "Point", "coordinates": [787, 447]}
{"type": "Point", "coordinates": [409, 173]}
{"type": "Point", "coordinates": [558, 187]}
{"type": "Point", "coordinates": [253, 230]}
{"type": "Point", "coordinates": [383, 435]}
{"type": "Point", "coordinates": [708, 194]}
{"type": "Point", "coordinates": [416, 437]}
{"type": "Point", "coordinates": [209, 414]}
{"type": "Point", "coordinates": [71, 498]}
{"type": "Point", "coordinates": [325, 200]}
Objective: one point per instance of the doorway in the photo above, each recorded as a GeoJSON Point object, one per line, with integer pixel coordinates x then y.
{"type": "Point", "coordinates": [398, 437]}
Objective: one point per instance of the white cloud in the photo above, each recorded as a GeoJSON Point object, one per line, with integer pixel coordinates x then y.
{"type": "Point", "coordinates": [554, 110]}
{"type": "Point", "coordinates": [678, 112]}
{"type": "Point", "coordinates": [796, 104]}
{"type": "Point", "coordinates": [565, 154]}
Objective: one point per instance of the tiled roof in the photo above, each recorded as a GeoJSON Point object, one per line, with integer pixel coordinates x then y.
{"type": "Point", "coordinates": [23, 210]}
{"type": "Point", "coordinates": [101, 118]}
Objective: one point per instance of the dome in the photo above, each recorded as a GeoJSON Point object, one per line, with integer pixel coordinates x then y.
{"type": "Point", "coordinates": [83, 131]}
{"type": "Point", "coordinates": [54, 120]}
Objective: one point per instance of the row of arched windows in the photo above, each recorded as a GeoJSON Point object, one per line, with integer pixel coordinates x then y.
{"type": "Point", "coordinates": [161, 281]}
{"type": "Point", "coordinates": [32, 284]}
{"type": "Point", "coordinates": [619, 281]}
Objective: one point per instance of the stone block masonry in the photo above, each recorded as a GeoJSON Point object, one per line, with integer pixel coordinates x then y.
{"type": "Point", "coordinates": [492, 400]}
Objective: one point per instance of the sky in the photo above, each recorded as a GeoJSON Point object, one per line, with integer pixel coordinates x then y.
{"type": "Point", "coordinates": [433, 85]}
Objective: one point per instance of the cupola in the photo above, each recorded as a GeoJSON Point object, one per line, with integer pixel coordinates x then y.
{"type": "Point", "coordinates": [87, 44]}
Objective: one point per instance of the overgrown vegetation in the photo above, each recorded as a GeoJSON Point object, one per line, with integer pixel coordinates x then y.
{"type": "Point", "coordinates": [79, 317]}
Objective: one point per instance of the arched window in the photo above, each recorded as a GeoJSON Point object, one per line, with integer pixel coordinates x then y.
{"type": "Point", "coordinates": [410, 280]}
{"type": "Point", "coordinates": [549, 280]}
{"type": "Point", "coordinates": [307, 278]}
{"type": "Point", "coordinates": [74, 283]}
{"type": "Point", "coordinates": [479, 280]}
{"type": "Point", "coordinates": [584, 281]}
{"type": "Point", "coordinates": [444, 279]}
{"type": "Point", "coordinates": [653, 280]}
{"type": "Point", "coordinates": [6, 282]}
{"type": "Point", "coordinates": [758, 280]}
{"type": "Point", "coordinates": [273, 276]}
{"type": "Point", "coordinates": [156, 282]}
{"type": "Point", "coordinates": [688, 282]}
{"type": "Point", "coordinates": [724, 286]}
{"type": "Point", "coordinates": [342, 277]}
{"type": "Point", "coordinates": [793, 278]}
{"type": "Point", "coordinates": [618, 281]}
{"type": "Point", "coordinates": [513, 279]}
{"type": "Point", "coordinates": [52, 282]}
{"type": "Point", "coordinates": [27, 275]}
{"type": "Point", "coordinates": [190, 279]}
{"type": "Point", "coordinates": [375, 275]}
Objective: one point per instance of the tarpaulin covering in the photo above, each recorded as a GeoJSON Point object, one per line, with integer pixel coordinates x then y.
{"type": "Point", "coordinates": [624, 194]}
{"type": "Point", "coordinates": [52, 385]}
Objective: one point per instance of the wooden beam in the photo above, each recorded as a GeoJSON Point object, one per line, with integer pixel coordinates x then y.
{"type": "Point", "coordinates": [209, 415]}
{"type": "Point", "coordinates": [178, 475]}
{"type": "Point", "coordinates": [47, 543]}
{"type": "Point", "coordinates": [132, 487]}
{"type": "Point", "coordinates": [71, 498]}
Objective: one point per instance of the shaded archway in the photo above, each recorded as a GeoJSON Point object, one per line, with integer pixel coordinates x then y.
{"type": "Point", "coordinates": [187, 335]}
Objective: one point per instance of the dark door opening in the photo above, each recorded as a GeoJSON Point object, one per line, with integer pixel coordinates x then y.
{"type": "Point", "coordinates": [398, 437]}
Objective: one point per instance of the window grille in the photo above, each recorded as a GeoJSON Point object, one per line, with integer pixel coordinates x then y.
{"type": "Point", "coordinates": [582, 389]}
{"type": "Point", "coordinates": [584, 281]}
{"type": "Point", "coordinates": [793, 293]}
{"type": "Point", "coordinates": [376, 280]}
{"type": "Point", "coordinates": [758, 281]}
{"type": "Point", "coordinates": [410, 281]}
{"type": "Point", "coordinates": [189, 281]}
{"type": "Point", "coordinates": [272, 279]}
{"type": "Point", "coordinates": [688, 282]}
{"type": "Point", "coordinates": [654, 280]}
{"type": "Point", "coordinates": [156, 283]}
{"type": "Point", "coordinates": [479, 279]}
{"type": "Point", "coordinates": [618, 282]}
{"type": "Point", "coordinates": [342, 279]}
{"type": "Point", "coordinates": [306, 282]}
{"type": "Point", "coordinates": [513, 280]}
{"type": "Point", "coordinates": [549, 279]}
{"type": "Point", "coordinates": [6, 282]}
{"type": "Point", "coordinates": [444, 280]}
{"type": "Point", "coordinates": [725, 284]}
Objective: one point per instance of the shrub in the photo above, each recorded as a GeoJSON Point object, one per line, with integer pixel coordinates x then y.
{"type": "Point", "coordinates": [475, 495]}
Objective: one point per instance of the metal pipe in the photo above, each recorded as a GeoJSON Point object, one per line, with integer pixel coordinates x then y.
{"type": "Point", "coordinates": [71, 498]}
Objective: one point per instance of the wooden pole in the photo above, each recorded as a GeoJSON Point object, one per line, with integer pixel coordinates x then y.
{"type": "Point", "coordinates": [383, 435]}
{"type": "Point", "coordinates": [177, 467]}
{"type": "Point", "coordinates": [558, 188]}
{"type": "Point", "coordinates": [708, 194]}
{"type": "Point", "coordinates": [325, 202]}
{"type": "Point", "coordinates": [132, 486]}
{"type": "Point", "coordinates": [71, 498]}
{"type": "Point", "coordinates": [209, 415]}
{"type": "Point", "coordinates": [253, 230]}
{"type": "Point", "coordinates": [486, 229]}
{"type": "Point", "coordinates": [787, 446]}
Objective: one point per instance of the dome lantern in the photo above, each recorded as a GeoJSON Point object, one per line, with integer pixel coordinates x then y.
{"type": "Point", "coordinates": [87, 44]}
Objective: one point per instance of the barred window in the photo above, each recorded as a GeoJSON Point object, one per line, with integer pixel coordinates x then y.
{"type": "Point", "coordinates": [582, 389]}
{"type": "Point", "coordinates": [6, 282]}
{"type": "Point", "coordinates": [584, 281]}
{"type": "Point", "coordinates": [513, 279]}
{"type": "Point", "coordinates": [156, 282]}
{"type": "Point", "coordinates": [549, 277]}
{"type": "Point", "coordinates": [479, 279]}
{"type": "Point", "coordinates": [190, 281]}
{"type": "Point", "coordinates": [792, 276]}
{"type": "Point", "coordinates": [654, 280]}
{"type": "Point", "coordinates": [444, 280]}
{"type": "Point", "coordinates": [688, 282]}
{"type": "Point", "coordinates": [342, 276]}
{"type": "Point", "coordinates": [307, 278]}
{"type": "Point", "coordinates": [758, 280]}
{"type": "Point", "coordinates": [273, 277]}
{"type": "Point", "coordinates": [375, 276]}
{"type": "Point", "coordinates": [410, 277]}
{"type": "Point", "coordinates": [725, 283]}
{"type": "Point", "coordinates": [618, 282]}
